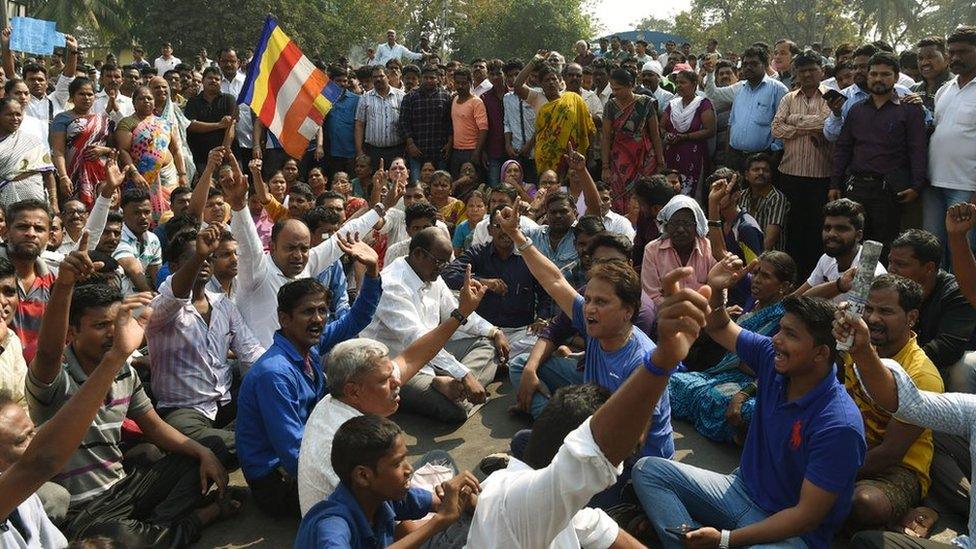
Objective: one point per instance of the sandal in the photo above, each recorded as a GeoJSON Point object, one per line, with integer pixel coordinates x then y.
{"type": "Point", "coordinates": [918, 522]}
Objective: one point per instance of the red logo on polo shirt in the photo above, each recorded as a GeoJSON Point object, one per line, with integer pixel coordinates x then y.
{"type": "Point", "coordinates": [795, 436]}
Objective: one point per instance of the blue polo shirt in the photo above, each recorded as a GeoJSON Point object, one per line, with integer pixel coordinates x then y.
{"type": "Point", "coordinates": [276, 397]}
{"type": "Point", "coordinates": [818, 437]}
{"type": "Point", "coordinates": [753, 109]}
{"type": "Point", "coordinates": [340, 123]}
{"type": "Point", "coordinates": [611, 370]}
{"type": "Point", "coordinates": [339, 521]}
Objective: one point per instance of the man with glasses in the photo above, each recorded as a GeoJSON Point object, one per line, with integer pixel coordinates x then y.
{"type": "Point", "coordinates": [416, 300]}
{"type": "Point", "coordinates": [77, 219]}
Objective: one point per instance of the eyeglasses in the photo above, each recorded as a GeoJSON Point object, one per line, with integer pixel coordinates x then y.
{"type": "Point", "coordinates": [438, 263]}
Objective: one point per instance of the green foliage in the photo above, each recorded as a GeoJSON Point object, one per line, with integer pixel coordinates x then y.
{"type": "Point", "coordinates": [105, 18]}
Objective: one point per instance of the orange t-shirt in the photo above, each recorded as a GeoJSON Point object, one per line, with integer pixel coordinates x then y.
{"type": "Point", "coordinates": [468, 118]}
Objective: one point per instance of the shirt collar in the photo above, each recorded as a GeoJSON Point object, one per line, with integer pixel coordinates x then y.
{"type": "Point", "coordinates": [813, 394]}
{"type": "Point", "coordinates": [901, 357]}
{"type": "Point", "coordinates": [127, 234]}
{"type": "Point", "coordinates": [384, 513]}
{"type": "Point", "coordinates": [290, 351]}
{"type": "Point", "coordinates": [409, 277]}
{"type": "Point", "coordinates": [666, 243]}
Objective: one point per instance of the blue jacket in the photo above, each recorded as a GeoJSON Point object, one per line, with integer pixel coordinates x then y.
{"type": "Point", "coordinates": [276, 397]}
{"type": "Point", "coordinates": [338, 521]}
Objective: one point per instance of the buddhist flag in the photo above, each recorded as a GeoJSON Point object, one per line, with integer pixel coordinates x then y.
{"type": "Point", "coordinates": [286, 91]}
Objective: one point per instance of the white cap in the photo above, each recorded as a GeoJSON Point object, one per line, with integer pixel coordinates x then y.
{"type": "Point", "coordinates": [652, 66]}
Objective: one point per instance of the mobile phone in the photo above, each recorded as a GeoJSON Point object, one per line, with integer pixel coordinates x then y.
{"type": "Point", "coordinates": [678, 531]}
{"type": "Point", "coordinates": [832, 94]}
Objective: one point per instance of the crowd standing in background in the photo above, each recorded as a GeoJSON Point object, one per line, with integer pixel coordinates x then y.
{"type": "Point", "coordinates": [624, 235]}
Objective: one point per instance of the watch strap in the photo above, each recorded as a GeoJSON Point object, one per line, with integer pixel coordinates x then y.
{"type": "Point", "coordinates": [525, 245]}
{"type": "Point", "coordinates": [724, 540]}
{"type": "Point", "coordinates": [456, 314]}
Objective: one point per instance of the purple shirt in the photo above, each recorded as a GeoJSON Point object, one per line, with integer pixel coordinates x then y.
{"type": "Point", "coordinates": [495, 142]}
{"type": "Point", "coordinates": [882, 141]}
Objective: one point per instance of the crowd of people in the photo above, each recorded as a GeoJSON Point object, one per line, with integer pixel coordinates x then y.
{"type": "Point", "coordinates": [625, 236]}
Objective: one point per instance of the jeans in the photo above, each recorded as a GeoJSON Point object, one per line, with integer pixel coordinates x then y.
{"type": "Point", "coordinates": [417, 163]}
{"type": "Point", "coordinates": [495, 172]}
{"type": "Point", "coordinates": [935, 203]}
{"type": "Point", "coordinates": [554, 373]}
{"type": "Point", "coordinates": [678, 494]}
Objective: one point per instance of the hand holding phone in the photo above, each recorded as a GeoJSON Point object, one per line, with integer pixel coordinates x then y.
{"type": "Point", "coordinates": [679, 531]}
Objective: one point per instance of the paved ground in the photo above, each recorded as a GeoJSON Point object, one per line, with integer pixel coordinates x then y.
{"type": "Point", "coordinates": [487, 432]}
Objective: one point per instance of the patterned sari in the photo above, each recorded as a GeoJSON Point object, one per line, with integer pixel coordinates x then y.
{"type": "Point", "coordinates": [560, 122]}
{"type": "Point", "coordinates": [703, 397]}
{"type": "Point", "coordinates": [23, 158]}
{"type": "Point", "coordinates": [150, 151]}
{"type": "Point", "coordinates": [81, 132]}
{"type": "Point", "coordinates": [632, 150]}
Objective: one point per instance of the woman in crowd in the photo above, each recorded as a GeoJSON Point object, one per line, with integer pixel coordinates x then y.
{"type": "Point", "coordinates": [341, 185]}
{"type": "Point", "coordinates": [450, 208]}
{"type": "Point", "coordinates": [150, 151]}
{"type": "Point", "coordinates": [173, 113]}
{"type": "Point", "coordinates": [631, 142]}
{"type": "Point", "coordinates": [318, 182]}
{"type": "Point", "coordinates": [26, 170]}
{"type": "Point", "coordinates": [475, 210]}
{"type": "Point", "coordinates": [562, 120]}
{"type": "Point", "coordinates": [512, 174]}
{"type": "Point", "coordinates": [427, 173]}
{"type": "Point", "coordinates": [467, 183]}
{"type": "Point", "coordinates": [720, 399]}
{"type": "Point", "coordinates": [689, 122]}
{"type": "Point", "coordinates": [80, 140]}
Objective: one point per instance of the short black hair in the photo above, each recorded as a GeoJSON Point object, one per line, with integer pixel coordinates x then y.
{"type": "Point", "coordinates": [608, 239]}
{"type": "Point", "coordinates": [414, 69]}
{"type": "Point", "coordinates": [27, 205]}
{"type": "Point", "coordinates": [726, 64]}
{"type": "Point", "coordinates": [31, 68]}
{"type": "Point", "coordinates": [179, 224]}
{"type": "Point", "coordinates": [302, 190]}
{"type": "Point", "coordinates": [758, 52]}
{"type": "Point", "coordinates": [319, 215]}
{"type": "Point", "coordinates": [419, 210]}
{"type": "Point", "coordinates": [924, 245]}
{"type": "Point", "coordinates": [362, 441]}
{"type": "Point", "coordinates": [845, 207]}
{"type": "Point", "coordinates": [7, 269]}
{"type": "Point", "coordinates": [91, 296]}
{"type": "Point", "coordinates": [178, 192]}
{"type": "Point", "coordinates": [885, 58]}
{"type": "Point", "coordinates": [116, 217]}
{"type": "Point", "coordinates": [133, 195]}
{"type": "Point", "coordinates": [560, 196]}
{"type": "Point", "coordinates": [178, 245]}
{"type": "Point", "coordinates": [817, 314]}
{"type": "Point", "coordinates": [514, 64]}
{"type": "Point", "coordinates": [758, 157]}
{"type": "Point", "coordinates": [564, 413]}
{"type": "Point", "coordinates": [211, 70]}
{"type": "Point", "coordinates": [653, 190]}
{"type": "Point", "coordinates": [865, 50]}
{"type": "Point", "coordinates": [507, 190]}
{"type": "Point", "coordinates": [462, 72]}
{"type": "Point", "coordinates": [807, 58]}
{"type": "Point", "coordinates": [962, 33]}
{"type": "Point", "coordinates": [328, 195]}
{"type": "Point", "coordinates": [794, 49]}
{"type": "Point", "coordinates": [291, 294]}
{"type": "Point", "coordinates": [589, 225]}
{"type": "Point", "coordinates": [909, 291]}
{"type": "Point", "coordinates": [937, 41]}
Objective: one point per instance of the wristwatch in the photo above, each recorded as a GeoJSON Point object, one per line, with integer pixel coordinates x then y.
{"type": "Point", "coordinates": [716, 224]}
{"type": "Point", "coordinates": [381, 209]}
{"type": "Point", "coordinates": [456, 315]}
{"type": "Point", "coordinates": [525, 245]}
{"type": "Point", "coordinates": [724, 540]}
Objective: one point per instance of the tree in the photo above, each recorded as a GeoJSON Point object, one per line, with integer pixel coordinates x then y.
{"type": "Point", "coordinates": [655, 24]}
{"type": "Point", "coordinates": [106, 18]}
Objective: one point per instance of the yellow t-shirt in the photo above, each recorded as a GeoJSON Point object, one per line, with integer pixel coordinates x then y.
{"type": "Point", "coordinates": [916, 363]}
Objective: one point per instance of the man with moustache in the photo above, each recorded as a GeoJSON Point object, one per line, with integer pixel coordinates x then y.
{"type": "Point", "coordinates": [881, 155]}
{"type": "Point", "coordinates": [425, 120]}
{"type": "Point", "coordinates": [364, 379]}
{"type": "Point", "coordinates": [933, 64]}
{"type": "Point", "coordinates": [284, 385]}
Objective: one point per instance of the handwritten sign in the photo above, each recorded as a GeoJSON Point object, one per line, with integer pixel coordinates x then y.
{"type": "Point", "coordinates": [35, 36]}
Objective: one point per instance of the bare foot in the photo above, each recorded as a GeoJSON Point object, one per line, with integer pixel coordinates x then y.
{"type": "Point", "coordinates": [449, 387]}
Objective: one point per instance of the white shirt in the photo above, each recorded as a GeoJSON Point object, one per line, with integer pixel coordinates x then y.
{"type": "Point", "coordinates": [259, 279]}
{"type": "Point", "coordinates": [593, 102]}
{"type": "Point", "coordinates": [123, 106]}
{"type": "Point", "coordinates": [952, 154]}
{"type": "Point", "coordinates": [41, 531]}
{"type": "Point", "coordinates": [826, 271]}
{"type": "Point", "coordinates": [612, 222]}
{"type": "Point", "coordinates": [162, 65]}
{"type": "Point", "coordinates": [480, 233]}
{"type": "Point", "coordinates": [316, 477]}
{"type": "Point", "coordinates": [385, 52]}
{"type": "Point", "coordinates": [481, 88]}
{"type": "Point", "coordinates": [521, 507]}
{"type": "Point", "coordinates": [395, 227]}
{"type": "Point", "coordinates": [47, 107]}
{"type": "Point", "coordinates": [410, 307]}
{"type": "Point", "coordinates": [95, 225]}
{"type": "Point", "coordinates": [905, 80]}
{"type": "Point", "coordinates": [245, 124]}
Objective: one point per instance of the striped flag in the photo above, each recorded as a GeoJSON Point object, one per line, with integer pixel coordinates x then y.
{"type": "Point", "coordinates": [286, 91]}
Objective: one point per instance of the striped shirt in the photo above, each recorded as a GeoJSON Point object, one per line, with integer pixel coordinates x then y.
{"type": "Point", "coordinates": [804, 154]}
{"type": "Point", "coordinates": [189, 354]}
{"type": "Point", "coordinates": [768, 210]}
{"type": "Point", "coordinates": [147, 250]}
{"type": "Point", "coordinates": [33, 303]}
{"type": "Point", "coordinates": [97, 463]}
{"type": "Point", "coordinates": [381, 117]}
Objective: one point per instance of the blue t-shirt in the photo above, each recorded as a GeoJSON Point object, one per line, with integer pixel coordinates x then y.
{"type": "Point", "coordinates": [339, 521]}
{"type": "Point", "coordinates": [818, 437]}
{"type": "Point", "coordinates": [462, 234]}
{"type": "Point", "coordinates": [610, 370]}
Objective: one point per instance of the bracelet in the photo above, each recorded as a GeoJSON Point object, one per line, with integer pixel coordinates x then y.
{"type": "Point", "coordinates": [724, 540]}
{"type": "Point", "coordinates": [716, 224]}
{"type": "Point", "coordinates": [656, 370]}
{"type": "Point", "coordinates": [525, 245]}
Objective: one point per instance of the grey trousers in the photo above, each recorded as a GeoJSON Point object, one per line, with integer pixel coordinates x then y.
{"type": "Point", "coordinates": [55, 499]}
{"type": "Point", "coordinates": [950, 470]}
{"type": "Point", "coordinates": [419, 395]}
{"type": "Point", "coordinates": [202, 429]}
{"type": "Point", "coordinates": [893, 540]}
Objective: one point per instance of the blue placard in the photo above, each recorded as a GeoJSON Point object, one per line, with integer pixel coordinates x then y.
{"type": "Point", "coordinates": [35, 36]}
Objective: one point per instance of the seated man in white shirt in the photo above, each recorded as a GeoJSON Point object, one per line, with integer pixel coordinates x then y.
{"type": "Point", "coordinates": [417, 216]}
{"type": "Point", "coordinates": [613, 221]}
{"type": "Point", "coordinates": [415, 300]}
{"type": "Point", "coordinates": [541, 502]}
{"type": "Point", "coordinates": [395, 225]}
{"type": "Point", "coordinates": [364, 379]}
{"type": "Point", "coordinates": [190, 333]}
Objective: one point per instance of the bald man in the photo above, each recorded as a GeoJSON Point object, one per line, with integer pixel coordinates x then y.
{"type": "Point", "coordinates": [290, 257]}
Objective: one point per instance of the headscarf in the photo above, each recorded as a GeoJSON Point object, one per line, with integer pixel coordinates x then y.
{"type": "Point", "coordinates": [653, 66]}
{"type": "Point", "coordinates": [681, 202]}
{"type": "Point", "coordinates": [505, 169]}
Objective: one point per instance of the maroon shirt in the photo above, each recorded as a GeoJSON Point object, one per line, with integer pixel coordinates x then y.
{"type": "Point", "coordinates": [495, 108]}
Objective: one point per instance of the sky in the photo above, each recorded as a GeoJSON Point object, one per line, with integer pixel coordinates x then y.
{"type": "Point", "coordinates": [620, 15]}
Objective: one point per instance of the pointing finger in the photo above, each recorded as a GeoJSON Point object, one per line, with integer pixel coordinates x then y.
{"type": "Point", "coordinates": [83, 241]}
{"type": "Point", "coordinates": [669, 284]}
